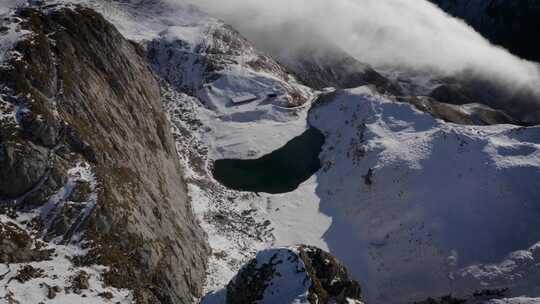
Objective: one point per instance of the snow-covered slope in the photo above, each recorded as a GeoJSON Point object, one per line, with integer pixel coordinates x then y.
{"type": "Point", "coordinates": [220, 67]}
{"type": "Point", "coordinates": [436, 214]}
{"type": "Point", "coordinates": [422, 199]}
{"type": "Point", "coordinates": [39, 271]}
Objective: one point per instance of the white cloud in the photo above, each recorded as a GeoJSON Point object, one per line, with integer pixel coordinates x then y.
{"type": "Point", "coordinates": [406, 33]}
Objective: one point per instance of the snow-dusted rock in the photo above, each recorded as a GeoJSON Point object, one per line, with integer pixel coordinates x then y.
{"type": "Point", "coordinates": [465, 114]}
{"type": "Point", "coordinates": [221, 68]}
{"type": "Point", "coordinates": [92, 195]}
{"type": "Point", "coordinates": [300, 274]}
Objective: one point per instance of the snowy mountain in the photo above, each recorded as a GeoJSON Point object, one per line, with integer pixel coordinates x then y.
{"type": "Point", "coordinates": [153, 154]}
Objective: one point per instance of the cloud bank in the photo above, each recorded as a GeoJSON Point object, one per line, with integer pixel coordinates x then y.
{"type": "Point", "coordinates": [411, 34]}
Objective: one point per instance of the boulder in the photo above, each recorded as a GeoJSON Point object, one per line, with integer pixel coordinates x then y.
{"type": "Point", "coordinates": [22, 165]}
{"type": "Point", "coordinates": [299, 274]}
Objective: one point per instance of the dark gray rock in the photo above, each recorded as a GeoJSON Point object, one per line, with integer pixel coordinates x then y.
{"type": "Point", "coordinates": [78, 145]}
{"type": "Point", "coordinates": [38, 129]}
{"type": "Point", "coordinates": [331, 281]}
{"type": "Point", "coordinates": [54, 179]}
{"type": "Point", "coordinates": [22, 166]}
{"type": "Point", "coordinates": [452, 94]}
{"type": "Point", "coordinates": [520, 106]}
{"type": "Point", "coordinates": [81, 192]}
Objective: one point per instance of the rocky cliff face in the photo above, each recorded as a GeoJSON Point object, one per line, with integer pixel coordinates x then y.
{"type": "Point", "coordinates": [87, 158]}
{"type": "Point", "coordinates": [509, 23]}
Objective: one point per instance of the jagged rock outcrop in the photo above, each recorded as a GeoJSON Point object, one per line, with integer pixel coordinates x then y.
{"type": "Point", "coordinates": [337, 69]}
{"type": "Point", "coordinates": [76, 94]}
{"type": "Point", "coordinates": [467, 99]}
{"type": "Point", "coordinates": [512, 24]}
{"type": "Point", "coordinates": [300, 274]}
{"type": "Point", "coordinates": [521, 106]}
{"type": "Point", "coordinates": [466, 114]}
{"type": "Point", "coordinates": [328, 66]}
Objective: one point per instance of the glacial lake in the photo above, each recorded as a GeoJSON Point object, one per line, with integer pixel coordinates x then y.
{"type": "Point", "coordinates": [281, 171]}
